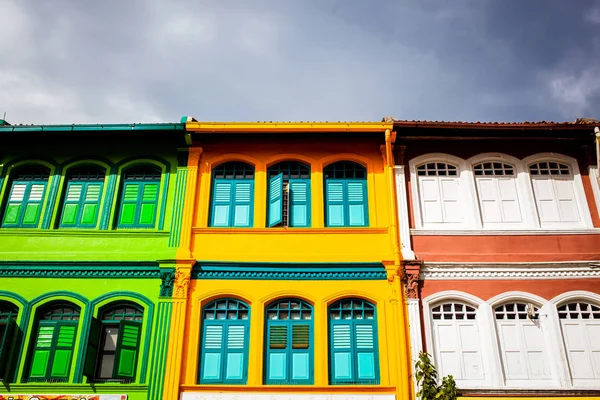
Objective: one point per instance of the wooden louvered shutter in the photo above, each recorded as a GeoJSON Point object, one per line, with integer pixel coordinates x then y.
{"type": "Point", "coordinates": [276, 200]}
{"type": "Point", "coordinates": [212, 354]}
{"type": "Point", "coordinates": [148, 204]}
{"type": "Point", "coordinates": [71, 204]}
{"type": "Point", "coordinates": [24, 204]}
{"type": "Point", "coordinates": [42, 350]}
{"type": "Point", "coordinates": [6, 340]}
{"type": "Point", "coordinates": [366, 352]}
{"type": "Point", "coordinates": [277, 352]}
{"type": "Point", "coordinates": [63, 351]}
{"type": "Point", "coordinates": [127, 350]}
{"type": "Point", "coordinates": [236, 354]}
{"type": "Point", "coordinates": [342, 365]}
{"type": "Point", "coordinates": [81, 204]}
{"type": "Point", "coordinates": [33, 205]}
{"type": "Point", "coordinates": [91, 355]}
{"type": "Point", "coordinates": [300, 203]}
{"type": "Point", "coordinates": [243, 199]}
{"type": "Point", "coordinates": [357, 203]}
{"type": "Point", "coordinates": [222, 203]}
{"type": "Point", "coordinates": [90, 204]}
{"type": "Point", "coordinates": [301, 349]}
{"type": "Point", "coordinates": [129, 204]}
{"type": "Point", "coordinates": [335, 203]}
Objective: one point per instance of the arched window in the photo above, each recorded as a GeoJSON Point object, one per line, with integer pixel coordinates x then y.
{"type": "Point", "coordinates": [353, 349]}
{"type": "Point", "coordinates": [232, 195]}
{"type": "Point", "coordinates": [25, 200]}
{"type": "Point", "coordinates": [554, 192]}
{"type": "Point", "coordinates": [522, 344]}
{"type": "Point", "coordinates": [8, 325]}
{"type": "Point", "coordinates": [497, 192]}
{"type": "Point", "coordinates": [83, 193]}
{"type": "Point", "coordinates": [224, 343]}
{"type": "Point", "coordinates": [580, 323]}
{"type": "Point", "coordinates": [346, 202]}
{"type": "Point", "coordinates": [289, 343]}
{"type": "Point", "coordinates": [456, 341]}
{"type": "Point", "coordinates": [114, 343]}
{"type": "Point", "coordinates": [139, 197]}
{"type": "Point", "coordinates": [289, 194]}
{"type": "Point", "coordinates": [54, 342]}
{"type": "Point", "coordinates": [439, 192]}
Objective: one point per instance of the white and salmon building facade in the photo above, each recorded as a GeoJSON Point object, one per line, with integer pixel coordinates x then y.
{"type": "Point", "coordinates": [500, 236]}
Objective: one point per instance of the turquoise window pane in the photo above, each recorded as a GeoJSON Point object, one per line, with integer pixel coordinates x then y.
{"type": "Point", "coordinates": [242, 215]}
{"type": "Point", "coordinates": [221, 215]}
{"type": "Point", "coordinates": [336, 215]}
{"type": "Point", "coordinates": [342, 366]}
{"type": "Point", "coordinates": [277, 366]}
{"type": "Point", "coordinates": [300, 366]}
{"type": "Point", "coordinates": [299, 217]}
{"type": "Point", "coordinates": [366, 366]}
{"type": "Point", "coordinates": [235, 366]}
{"type": "Point", "coordinates": [212, 366]}
{"type": "Point", "coordinates": [357, 214]}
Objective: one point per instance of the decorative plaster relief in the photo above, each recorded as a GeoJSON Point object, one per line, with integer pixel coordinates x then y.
{"type": "Point", "coordinates": [283, 396]}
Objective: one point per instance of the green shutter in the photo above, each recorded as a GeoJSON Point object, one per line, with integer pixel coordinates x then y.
{"type": "Point", "coordinates": [42, 351]}
{"type": "Point", "coordinates": [148, 204]}
{"type": "Point", "coordinates": [129, 204]}
{"type": "Point", "coordinates": [71, 205]}
{"type": "Point", "coordinates": [81, 205]}
{"type": "Point", "coordinates": [6, 342]}
{"type": "Point", "coordinates": [139, 204]}
{"type": "Point", "coordinates": [127, 351]}
{"type": "Point", "coordinates": [299, 203]}
{"type": "Point", "coordinates": [276, 200]}
{"type": "Point", "coordinates": [93, 345]}
{"type": "Point", "coordinates": [278, 337]}
{"type": "Point", "coordinates": [24, 205]}
{"type": "Point", "coordinates": [63, 351]}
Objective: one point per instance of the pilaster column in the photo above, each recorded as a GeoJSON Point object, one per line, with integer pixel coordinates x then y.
{"type": "Point", "coordinates": [411, 276]}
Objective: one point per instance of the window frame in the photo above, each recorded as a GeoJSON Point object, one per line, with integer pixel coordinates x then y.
{"type": "Point", "coordinates": [287, 196]}
{"type": "Point", "coordinates": [11, 180]}
{"type": "Point", "coordinates": [232, 202]}
{"type": "Point", "coordinates": [82, 201]}
{"type": "Point", "coordinates": [139, 201]}
{"type": "Point", "coordinates": [345, 201]}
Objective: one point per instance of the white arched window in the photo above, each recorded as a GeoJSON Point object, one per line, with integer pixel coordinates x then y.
{"type": "Point", "coordinates": [521, 341]}
{"type": "Point", "coordinates": [497, 192]}
{"type": "Point", "coordinates": [439, 192]}
{"type": "Point", "coordinates": [580, 324]}
{"type": "Point", "coordinates": [456, 340]}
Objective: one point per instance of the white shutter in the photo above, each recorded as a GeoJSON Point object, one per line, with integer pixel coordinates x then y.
{"type": "Point", "coordinates": [431, 204]}
{"type": "Point", "coordinates": [509, 201]}
{"type": "Point", "coordinates": [447, 348]}
{"type": "Point", "coordinates": [468, 334]}
{"type": "Point", "coordinates": [567, 205]}
{"type": "Point", "coordinates": [489, 200]}
{"type": "Point", "coordinates": [450, 190]}
{"type": "Point", "coordinates": [545, 199]}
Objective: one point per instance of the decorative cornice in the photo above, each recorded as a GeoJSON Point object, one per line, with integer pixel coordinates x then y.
{"type": "Point", "coordinates": [510, 271]}
{"type": "Point", "coordinates": [167, 277]}
{"type": "Point", "coordinates": [505, 232]}
{"type": "Point", "coordinates": [182, 283]}
{"type": "Point", "coordinates": [290, 271]}
{"type": "Point", "coordinates": [33, 270]}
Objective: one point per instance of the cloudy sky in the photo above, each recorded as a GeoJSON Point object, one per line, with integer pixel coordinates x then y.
{"type": "Point", "coordinates": [148, 61]}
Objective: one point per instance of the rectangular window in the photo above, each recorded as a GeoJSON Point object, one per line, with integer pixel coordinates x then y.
{"type": "Point", "coordinates": [139, 204]}
{"type": "Point", "coordinates": [53, 351]}
{"type": "Point", "coordinates": [24, 205]}
{"type": "Point", "coordinates": [81, 205]}
{"type": "Point", "coordinates": [346, 203]}
{"type": "Point", "coordinates": [232, 204]}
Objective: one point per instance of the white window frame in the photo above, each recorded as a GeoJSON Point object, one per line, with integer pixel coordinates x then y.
{"type": "Point", "coordinates": [468, 194]}
{"type": "Point", "coordinates": [593, 174]}
{"type": "Point", "coordinates": [579, 193]}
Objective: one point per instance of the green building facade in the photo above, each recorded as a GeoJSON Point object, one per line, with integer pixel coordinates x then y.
{"type": "Point", "coordinates": [90, 217]}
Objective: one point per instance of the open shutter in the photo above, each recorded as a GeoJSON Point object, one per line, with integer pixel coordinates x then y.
{"type": "Point", "coordinates": [242, 212]}
{"type": "Point", "coordinates": [236, 354]}
{"type": "Point", "coordinates": [93, 345]}
{"type": "Point", "coordinates": [42, 350]}
{"type": "Point", "coordinates": [357, 203]}
{"type": "Point", "coordinates": [277, 352]}
{"type": "Point", "coordinates": [91, 204]}
{"type": "Point", "coordinates": [276, 200]}
{"type": "Point", "coordinates": [341, 353]}
{"type": "Point", "coordinates": [128, 345]}
{"type": "Point", "coordinates": [5, 345]}
{"type": "Point", "coordinates": [129, 203]}
{"type": "Point", "coordinates": [334, 196]}
{"type": "Point", "coordinates": [63, 351]}
{"type": "Point", "coordinates": [301, 370]}
{"type": "Point", "coordinates": [212, 354]}
{"type": "Point", "coordinates": [366, 352]}
{"type": "Point", "coordinates": [300, 203]}
{"type": "Point", "coordinates": [221, 202]}
{"type": "Point", "coordinates": [149, 202]}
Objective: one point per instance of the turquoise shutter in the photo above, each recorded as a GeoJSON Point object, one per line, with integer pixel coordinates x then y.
{"type": "Point", "coordinates": [276, 200]}
{"type": "Point", "coordinates": [63, 351]}
{"type": "Point", "coordinates": [212, 353]}
{"type": "Point", "coordinates": [301, 354]}
{"type": "Point", "coordinates": [366, 354]}
{"type": "Point", "coordinates": [93, 344]}
{"type": "Point", "coordinates": [300, 203]}
{"type": "Point", "coordinates": [128, 344]}
{"type": "Point", "coordinates": [6, 341]}
{"type": "Point", "coordinates": [357, 203]}
{"type": "Point", "coordinates": [277, 352]}
{"type": "Point", "coordinates": [335, 203]}
{"type": "Point", "coordinates": [243, 199]}
{"type": "Point", "coordinates": [24, 205]}
{"type": "Point", "coordinates": [342, 370]}
{"type": "Point", "coordinates": [42, 350]}
{"type": "Point", "coordinates": [224, 353]}
{"type": "Point", "coordinates": [221, 205]}
{"type": "Point", "coordinates": [236, 354]}
{"type": "Point", "coordinates": [289, 353]}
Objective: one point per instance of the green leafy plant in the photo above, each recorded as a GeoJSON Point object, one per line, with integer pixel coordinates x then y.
{"type": "Point", "coordinates": [427, 379]}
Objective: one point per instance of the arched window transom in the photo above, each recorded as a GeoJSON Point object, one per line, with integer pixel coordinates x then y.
{"type": "Point", "coordinates": [493, 169]}
{"type": "Point", "coordinates": [453, 311]}
{"type": "Point", "coordinates": [579, 311]}
{"type": "Point", "coordinates": [437, 169]}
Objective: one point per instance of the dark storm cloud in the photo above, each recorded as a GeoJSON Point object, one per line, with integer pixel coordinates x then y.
{"type": "Point", "coordinates": [65, 61]}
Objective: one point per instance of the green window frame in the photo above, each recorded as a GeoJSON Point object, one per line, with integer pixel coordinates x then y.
{"type": "Point", "coordinates": [289, 343]}
{"type": "Point", "coordinates": [289, 195]}
{"type": "Point", "coordinates": [26, 197]}
{"type": "Point", "coordinates": [353, 347]}
{"type": "Point", "coordinates": [138, 205]}
{"type": "Point", "coordinates": [232, 202]}
{"type": "Point", "coordinates": [346, 199]}
{"type": "Point", "coordinates": [224, 342]}
{"type": "Point", "coordinates": [82, 197]}
{"type": "Point", "coordinates": [8, 330]}
{"type": "Point", "coordinates": [53, 345]}
{"type": "Point", "coordinates": [114, 344]}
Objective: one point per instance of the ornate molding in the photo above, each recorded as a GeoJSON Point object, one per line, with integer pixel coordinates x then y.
{"type": "Point", "coordinates": [293, 275]}
{"type": "Point", "coordinates": [78, 272]}
{"type": "Point", "coordinates": [412, 270]}
{"type": "Point", "coordinates": [182, 283]}
{"type": "Point", "coordinates": [167, 277]}
{"type": "Point", "coordinates": [510, 271]}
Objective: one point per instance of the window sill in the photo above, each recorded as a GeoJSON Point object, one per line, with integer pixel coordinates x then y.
{"type": "Point", "coordinates": [541, 392]}
{"type": "Point", "coordinates": [80, 232]}
{"type": "Point", "coordinates": [506, 232]}
{"type": "Point", "coordinates": [277, 231]}
{"type": "Point", "coordinates": [78, 388]}
{"type": "Point", "coordinates": [313, 389]}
